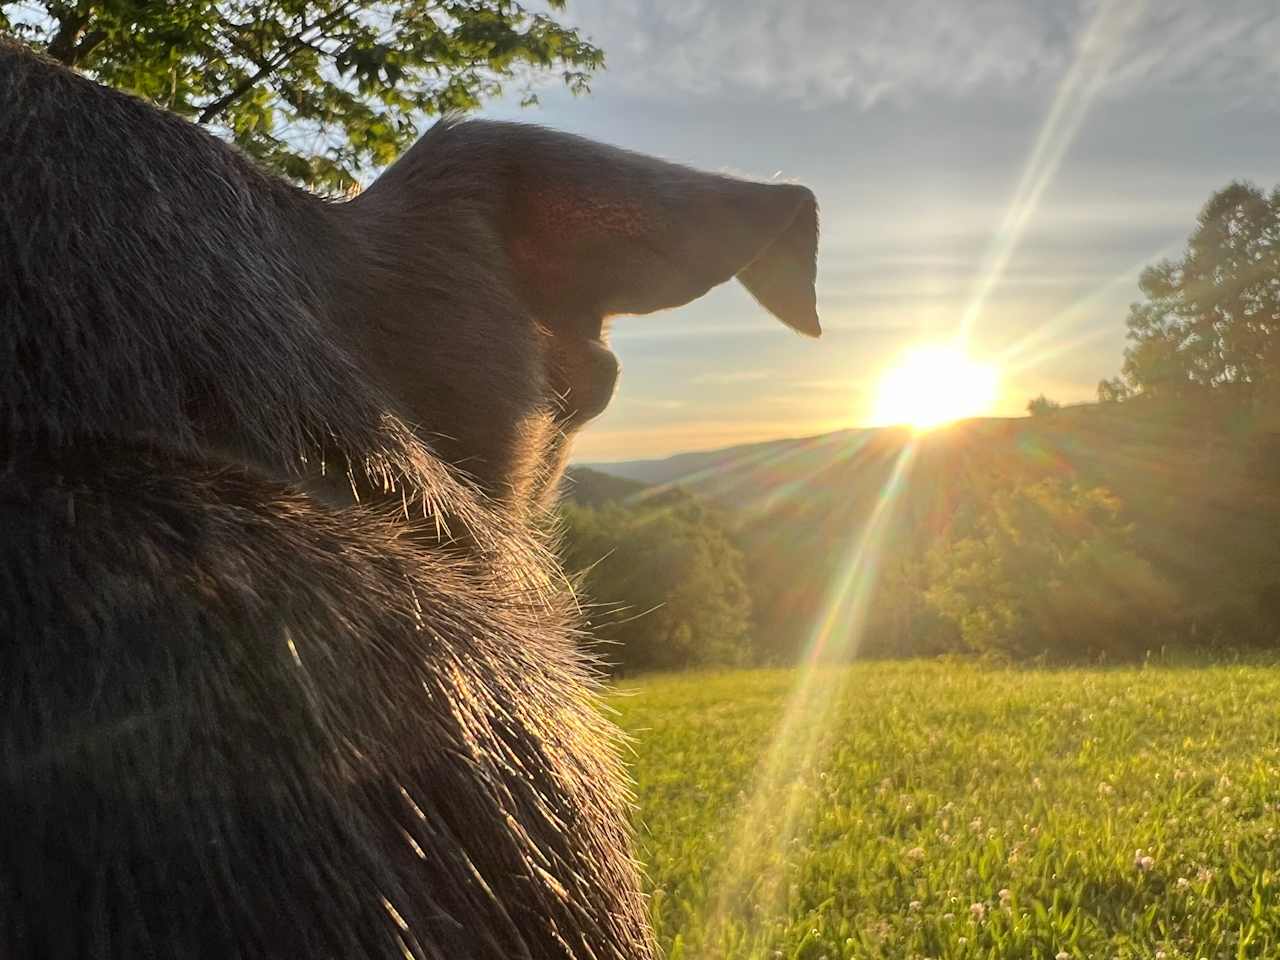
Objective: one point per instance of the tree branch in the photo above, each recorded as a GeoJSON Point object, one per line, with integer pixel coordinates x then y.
{"type": "Point", "coordinates": [87, 44]}
{"type": "Point", "coordinates": [70, 28]}
{"type": "Point", "coordinates": [269, 66]}
{"type": "Point", "coordinates": [235, 93]}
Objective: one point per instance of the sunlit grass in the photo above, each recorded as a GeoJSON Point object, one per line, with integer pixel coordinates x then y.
{"type": "Point", "coordinates": [799, 733]}
{"type": "Point", "coordinates": [936, 787]}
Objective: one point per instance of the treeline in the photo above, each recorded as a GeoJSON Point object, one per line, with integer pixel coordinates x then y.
{"type": "Point", "coordinates": [1149, 520]}
{"type": "Point", "coordinates": [1018, 568]}
{"type": "Point", "coordinates": [1059, 569]}
{"type": "Point", "coordinates": [663, 583]}
{"type": "Point", "coordinates": [1047, 567]}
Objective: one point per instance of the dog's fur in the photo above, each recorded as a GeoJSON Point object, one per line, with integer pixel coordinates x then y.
{"type": "Point", "coordinates": [285, 667]}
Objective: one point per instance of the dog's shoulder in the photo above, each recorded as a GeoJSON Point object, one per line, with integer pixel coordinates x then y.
{"type": "Point", "coordinates": [234, 680]}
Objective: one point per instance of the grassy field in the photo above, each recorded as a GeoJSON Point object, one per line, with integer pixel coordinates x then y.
{"type": "Point", "coordinates": [943, 810]}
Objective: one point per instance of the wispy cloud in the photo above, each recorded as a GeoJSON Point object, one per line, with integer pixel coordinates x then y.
{"type": "Point", "coordinates": [1100, 48]}
{"type": "Point", "coordinates": [827, 386]}
{"type": "Point", "coordinates": [866, 51]}
{"type": "Point", "coordinates": [732, 376]}
{"type": "Point", "coordinates": [658, 404]}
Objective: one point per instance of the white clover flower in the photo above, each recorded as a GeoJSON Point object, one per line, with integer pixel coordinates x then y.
{"type": "Point", "coordinates": [1204, 875]}
{"type": "Point", "coordinates": [1062, 955]}
{"type": "Point", "coordinates": [915, 853]}
{"type": "Point", "coordinates": [1005, 895]}
{"type": "Point", "coordinates": [914, 905]}
{"type": "Point", "coordinates": [978, 911]}
{"type": "Point", "coordinates": [1182, 883]}
{"type": "Point", "coordinates": [1105, 789]}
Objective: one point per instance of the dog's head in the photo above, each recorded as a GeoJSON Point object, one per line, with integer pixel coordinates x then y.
{"type": "Point", "coordinates": [491, 255]}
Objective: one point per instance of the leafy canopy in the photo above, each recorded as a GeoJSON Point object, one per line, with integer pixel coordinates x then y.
{"type": "Point", "coordinates": [1042, 406]}
{"type": "Point", "coordinates": [1048, 567]}
{"type": "Point", "coordinates": [1211, 319]}
{"type": "Point", "coordinates": [315, 89]}
{"type": "Point", "coordinates": [665, 583]}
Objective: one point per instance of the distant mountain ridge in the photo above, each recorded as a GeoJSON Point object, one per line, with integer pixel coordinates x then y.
{"type": "Point", "coordinates": [683, 465]}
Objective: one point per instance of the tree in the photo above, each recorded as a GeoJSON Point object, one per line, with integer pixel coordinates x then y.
{"type": "Point", "coordinates": [1211, 320]}
{"type": "Point", "coordinates": [1114, 390]}
{"type": "Point", "coordinates": [900, 620]}
{"type": "Point", "coordinates": [1049, 567]}
{"type": "Point", "coordinates": [663, 583]}
{"type": "Point", "coordinates": [1042, 406]}
{"type": "Point", "coordinates": [315, 89]}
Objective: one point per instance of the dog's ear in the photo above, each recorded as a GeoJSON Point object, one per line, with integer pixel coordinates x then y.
{"type": "Point", "coordinates": [593, 230]}
{"type": "Point", "coordinates": [493, 252]}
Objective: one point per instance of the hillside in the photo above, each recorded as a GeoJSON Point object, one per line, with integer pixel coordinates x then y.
{"type": "Point", "coordinates": [1204, 508]}
{"type": "Point", "coordinates": [591, 488]}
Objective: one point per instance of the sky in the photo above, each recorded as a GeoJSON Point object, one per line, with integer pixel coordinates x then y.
{"type": "Point", "coordinates": [997, 171]}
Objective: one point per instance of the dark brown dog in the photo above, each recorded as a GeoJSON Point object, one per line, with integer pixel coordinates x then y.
{"type": "Point", "coordinates": [285, 667]}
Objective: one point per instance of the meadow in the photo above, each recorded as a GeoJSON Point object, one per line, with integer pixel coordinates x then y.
{"type": "Point", "coordinates": [954, 810]}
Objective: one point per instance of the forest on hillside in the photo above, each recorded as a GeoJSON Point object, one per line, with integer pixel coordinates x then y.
{"type": "Point", "coordinates": [1147, 521]}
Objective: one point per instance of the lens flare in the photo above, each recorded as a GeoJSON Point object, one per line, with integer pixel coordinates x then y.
{"type": "Point", "coordinates": [932, 385]}
{"type": "Point", "coordinates": [1100, 50]}
{"type": "Point", "coordinates": [751, 882]}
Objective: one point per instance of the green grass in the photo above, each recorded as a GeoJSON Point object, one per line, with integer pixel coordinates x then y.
{"type": "Point", "coordinates": [943, 810]}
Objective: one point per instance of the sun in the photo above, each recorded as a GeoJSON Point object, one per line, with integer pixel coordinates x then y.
{"type": "Point", "coordinates": [933, 385]}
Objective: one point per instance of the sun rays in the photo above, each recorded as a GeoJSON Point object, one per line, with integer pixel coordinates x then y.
{"type": "Point", "coordinates": [931, 386]}
{"type": "Point", "coordinates": [1096, 55]}
{"type": "Point", "coordinates": [751, 879]}
{"type": "Point", "coordinates": [1046, 341]}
